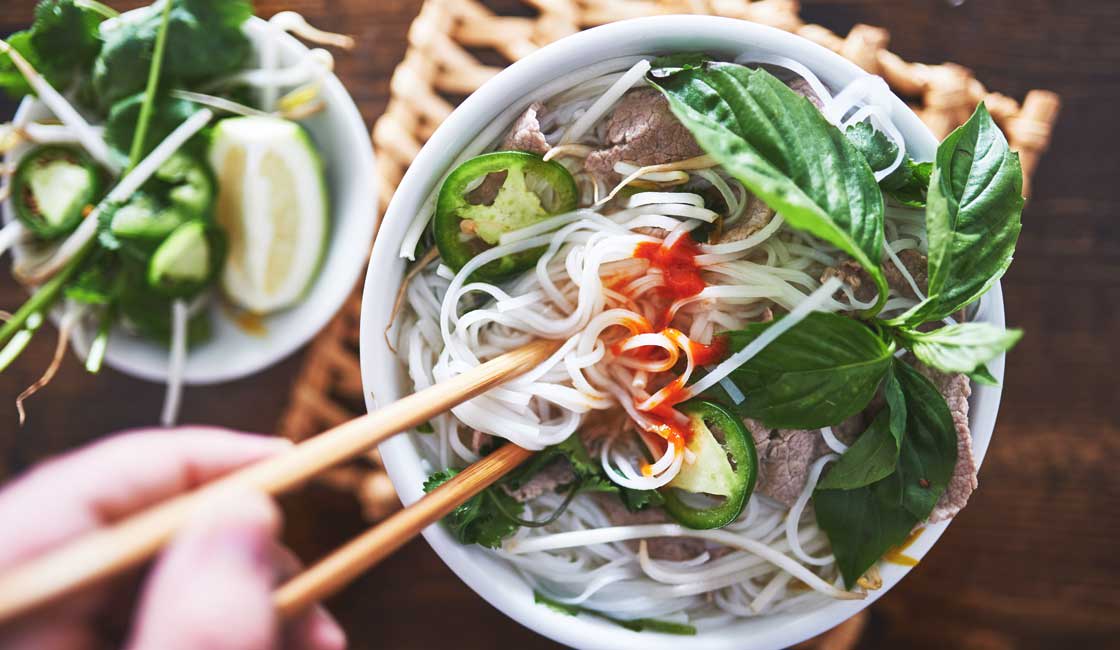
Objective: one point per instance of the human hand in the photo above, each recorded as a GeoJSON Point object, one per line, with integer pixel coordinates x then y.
{"type": "Point", "coordinates": [211, 588]}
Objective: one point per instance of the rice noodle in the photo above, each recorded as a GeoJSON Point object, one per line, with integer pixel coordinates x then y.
{"type": "Point", "coordinates": [176, 360]}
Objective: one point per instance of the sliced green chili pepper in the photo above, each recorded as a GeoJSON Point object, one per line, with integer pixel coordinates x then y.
{"type": "Point", "coordinates": [53, 188]}
{"type": "Point", "coordinates": [187, 190]}
{"type": "Point", "coordinates": [724, 467]}
{"type": "Point", "coordinates": [191, 184]}
{"type": "Point", "coordinates": [491, 195]}
{"type": "Point", "coordinates": [188, 260]}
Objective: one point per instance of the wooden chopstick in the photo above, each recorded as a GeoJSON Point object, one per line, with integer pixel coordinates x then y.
{"type": "Point", "coordinates": [360, 554]}
{"type": "Point", "coordinates": [109, 551]}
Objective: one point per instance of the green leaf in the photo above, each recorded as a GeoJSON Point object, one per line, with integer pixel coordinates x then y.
{"type": "Point", "coordinates": [824, 369]}
{"type": "Point", "coordinates": [11, 80]}
{"type": "Point", "coordinates": [963, 348]}
{"type": "Point", "coordinates": [210, 30]}
{"type": "Point", "coordinates": [65, 35]}
{"type": "Point", "coordinates": [929, 450]}
{"type": "Point", "coordinates": [682, 60]}
{"type": "Point", "coordinates": [636, 625]}
{"type": "Point", "coordinates": [973, 217]}
{"type": "Point", "coordinates": [168, 113]}
{"type": "Point", "coordinates": [865, 522]}
{"type": "Point", "coordinates": [783, 150]}
{"type": "Point", "coordinates": [479, 520]}
{"type": "Point", "coordinates": [97, 284]}
{"type": "Point", "coordinates": [62, 42]}
{"type": "Point", "coordinates": [909, 183]}
{"type": "Point", "coordinates": [896, 405]}
{"type": "Point", "coordinates": [914, 191]}
{"type": "Point", "coordinates": [149, 313]}
{"type": "Point", "coordinates": [871, 458]}
{"type": "Point", "coordinates": [983, 376]}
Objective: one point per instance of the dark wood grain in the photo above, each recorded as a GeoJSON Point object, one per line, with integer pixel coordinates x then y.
{"type": "Point", "coordinates": [1031, 563]}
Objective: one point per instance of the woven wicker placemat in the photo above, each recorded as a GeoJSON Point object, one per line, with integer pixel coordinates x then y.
{"type": "Point", "coordinates": [447, 42]}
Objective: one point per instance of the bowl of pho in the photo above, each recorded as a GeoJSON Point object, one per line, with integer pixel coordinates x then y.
{"type": "Point", "coordinates": [187, 188]}
{"type": "Point", "coordinates": [781, 333]}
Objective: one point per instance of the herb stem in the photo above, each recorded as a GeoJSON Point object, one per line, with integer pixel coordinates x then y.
{"type": "Point", "coordinates": [536, 524]}
{"type": "Point", "coordinates": [19, 342]}
{"type": "Point", "coordinates": [150, 92]}
{"type": "Point", "coordinates": [44, 296]}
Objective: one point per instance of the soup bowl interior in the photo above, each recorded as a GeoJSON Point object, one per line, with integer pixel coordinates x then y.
{"type": "Point", "coordinates": [385, 379]}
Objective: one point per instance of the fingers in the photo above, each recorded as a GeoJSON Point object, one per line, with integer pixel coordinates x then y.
{"type": "Point", "coordinates": [315, 629]}
{"type": "Point", "coordinates": [213, 587]}
{"type": "Point", "coordinates": [109, 479]}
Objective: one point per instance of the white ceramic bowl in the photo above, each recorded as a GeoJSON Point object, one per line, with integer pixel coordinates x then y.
{"type": "Point", "coordinates": [343, 142]}
{"type": "Point", "coordinates": [385, 380]}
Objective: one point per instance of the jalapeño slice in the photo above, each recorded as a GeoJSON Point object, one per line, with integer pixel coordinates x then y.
{"type": "Point", "coordinates": [493, 194]}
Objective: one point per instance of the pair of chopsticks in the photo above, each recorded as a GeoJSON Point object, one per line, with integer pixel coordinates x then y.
{"type": "Point", "coordinates": [109, 551]}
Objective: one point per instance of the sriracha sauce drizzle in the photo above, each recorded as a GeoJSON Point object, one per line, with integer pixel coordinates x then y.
{"type": "Point", "coordinates": [677, 264]}
{"type": "Point", "coordinates": [682, 278]}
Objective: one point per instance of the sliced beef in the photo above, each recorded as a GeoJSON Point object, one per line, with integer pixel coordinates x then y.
{"type": "Point", "coordinates": [757, 216]}
{"type": "Point", "coordinates": [848, 430]}
{"type": "Point", "coordinates": [956, 390]}
{"type": "Point", "coordinates": [479, 440]}
{"type": "Point", "coordinates": [642, 130]}
{"type": "Point", "coordinates": [802, 87]}
{"type": "Point", "coordinates": [784, 458]}
{"type": "Point", "coordinates": [854, 275]}
{"type": "Point", "coordinates": [552, 476]}
{"type": "Point", "coordinates": [526, 133]}
{"type": "Point", "coordinates": [675, 549]}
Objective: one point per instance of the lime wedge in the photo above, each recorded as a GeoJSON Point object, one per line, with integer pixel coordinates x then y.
{"type": "Point", "coordinates": [272, 202]}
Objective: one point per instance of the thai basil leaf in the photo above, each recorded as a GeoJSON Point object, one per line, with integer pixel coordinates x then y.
{"type": "Point", "coordinates": [896, 405]}
{"type": "Point", "coordinates": [783, 150]}
{"type": "Point", "coordinates": [872, 457]}
{"type": "Point", "coordinates": [824, 369]}
{"type": "Point", "coordinates": [929, 449]}
{"type": "Point", "coordinates": [681, 60]}
{"type": "Point", "coordinates": [973, 217]}
{"type": "Point", "coordinates": [983, 376]}
{"type": "Point", "coordinates": [865, 522]}
{"type": "Point", "coordinates": [964, 347]}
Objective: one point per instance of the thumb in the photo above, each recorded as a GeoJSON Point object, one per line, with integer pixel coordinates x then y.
{"type": "Point", "coordinates": [212, 588]}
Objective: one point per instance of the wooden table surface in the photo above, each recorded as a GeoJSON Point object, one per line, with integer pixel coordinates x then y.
{"type": "Point", "coordinates": [1031, 563]}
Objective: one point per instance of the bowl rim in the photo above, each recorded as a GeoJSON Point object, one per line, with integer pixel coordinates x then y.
{"type": "Point", "coordinates": [361, 167]}
{"type": "Point", "coordinates": [482, 572]}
